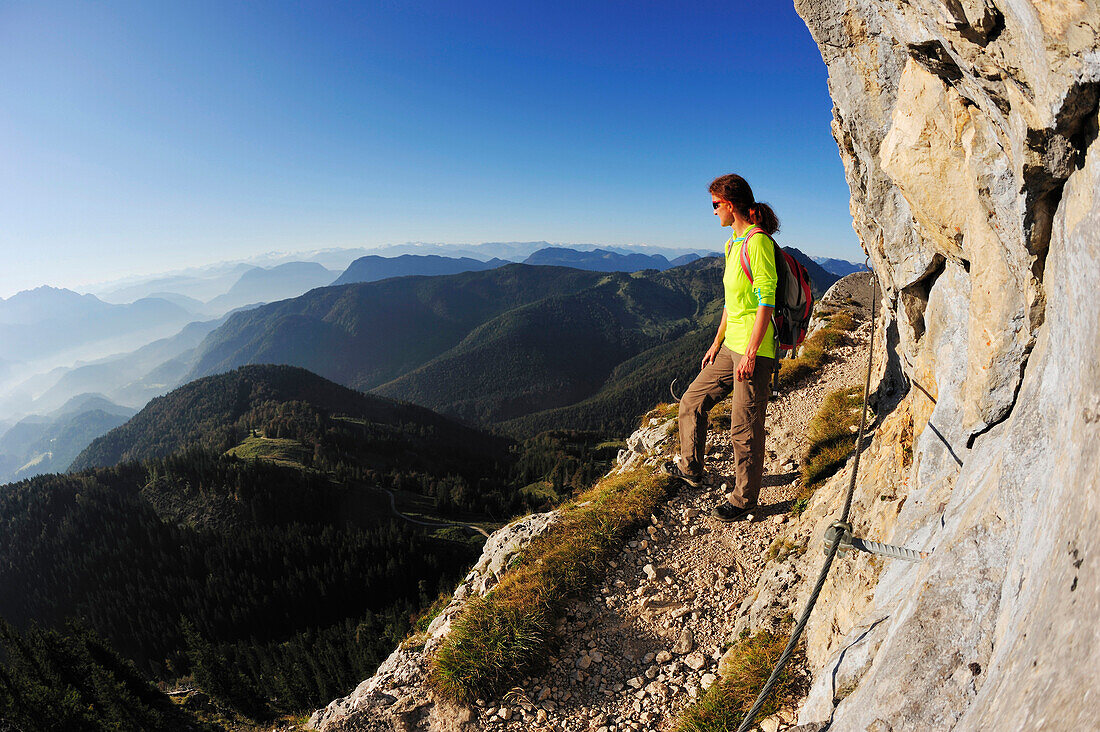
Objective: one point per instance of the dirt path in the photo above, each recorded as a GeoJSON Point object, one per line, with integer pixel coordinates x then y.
{"type": "Point", "coordinates": [641, 647]}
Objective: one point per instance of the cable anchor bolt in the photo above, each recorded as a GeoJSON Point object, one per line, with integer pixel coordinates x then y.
{"type": "Point", "coordinates": [840, 533]}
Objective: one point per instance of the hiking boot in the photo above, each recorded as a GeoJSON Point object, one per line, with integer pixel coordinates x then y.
{"type": "Point", "coordinates": [672, 468]}
{"type": "Point", "coordinates": [726, 511]}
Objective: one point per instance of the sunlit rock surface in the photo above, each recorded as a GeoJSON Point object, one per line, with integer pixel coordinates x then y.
{"type": "Point", "coordinates": [968, 134]}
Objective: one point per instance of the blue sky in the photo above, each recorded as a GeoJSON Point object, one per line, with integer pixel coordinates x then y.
{"type": "Point", "coordinates": [139, 137]}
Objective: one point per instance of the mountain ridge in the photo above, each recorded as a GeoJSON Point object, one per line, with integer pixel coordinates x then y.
{"type": "Point", "coordinates": [472, 344]}
{"type": "Point", "coordinates": [600, 260]}
{"type": "Point", "coordinates": [204, 410]}
{"type": "Point", "coordinates": [372, 268]}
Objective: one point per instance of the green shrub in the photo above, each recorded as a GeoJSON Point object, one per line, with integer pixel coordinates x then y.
{"type": "Point", "coordinates": [843, 321]}
{"type": "Point", "coordinates": [782, 549]}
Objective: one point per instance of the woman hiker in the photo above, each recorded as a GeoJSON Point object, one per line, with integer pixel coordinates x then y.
{"type": "Point", "coordinates": [742, 356]}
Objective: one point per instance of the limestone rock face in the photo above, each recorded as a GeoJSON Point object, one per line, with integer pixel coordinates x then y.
{"type": "Point", "coordinates": [968, 133]}
{"type": "Point", "coordinates": [647, 445]}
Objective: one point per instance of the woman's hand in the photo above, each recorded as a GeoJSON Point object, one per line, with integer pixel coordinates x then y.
{"type": "Point", "coordinates": [759, 329]}
{"type": "Point", "coordinates": [711, 354]}
{"type": "Point", "coordinates": [746, 366]}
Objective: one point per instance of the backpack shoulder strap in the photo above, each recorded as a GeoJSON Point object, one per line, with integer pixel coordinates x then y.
{"type": "Point", "coordinates": [745, 266]}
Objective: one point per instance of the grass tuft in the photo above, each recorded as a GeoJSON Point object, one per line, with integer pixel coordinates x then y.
{"type": "Point", "coordinates": [843, 321]}
{"type": "Point", "coordinates": [832, 435]}
{"type": "Point", "coordinates": [422, 620]}
{"type": "Point", "coordinates": [813, 354]}
{"type": "Point", "coordinates": [719, 415]}
{"type": "Point", "coordinates": [663, 411]}
{"type": "Point", "coordinates": [725, 703]}
{"type": "Point", "coordinates": [809, 361]}
{"type": "Point", "coordinates": [502, 636]}
{"type": "Point", "coordinates": [783, 549]}
{"type": "Point", "coordinates": [541, 492]}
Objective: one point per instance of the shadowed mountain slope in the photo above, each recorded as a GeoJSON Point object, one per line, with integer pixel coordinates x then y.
{"type": "Point", "coordinates": [820, 279]}
{"type": "Point", "coordinates": [840, 267]}
{"type": "Point", "coordinates": [560, 350]}
{"type": "Point", "coordinates": [633, 386]}
{"type": "Point", "coordinates": [485, 346]}
{"type": "Point", "coordinates": [363, 335]}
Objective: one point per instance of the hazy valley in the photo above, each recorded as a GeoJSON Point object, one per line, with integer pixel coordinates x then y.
{"type": "Point", "coordinates": [168, 334]}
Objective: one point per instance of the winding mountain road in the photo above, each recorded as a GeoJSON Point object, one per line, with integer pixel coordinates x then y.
{"type": "Point", "coordinates": [430, 524]}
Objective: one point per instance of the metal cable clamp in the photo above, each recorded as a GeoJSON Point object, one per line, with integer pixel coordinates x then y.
{"type": "Point", "coordinates": [840, 534]}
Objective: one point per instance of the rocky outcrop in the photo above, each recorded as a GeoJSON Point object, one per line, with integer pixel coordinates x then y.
{"type": "Point", "coordinates": [398, 695]}
{"type": "Point", "coordinates": [968, 134]}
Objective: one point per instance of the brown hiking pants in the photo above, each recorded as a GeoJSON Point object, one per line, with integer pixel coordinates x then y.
{"type": "Point", "coordinates": [747, 412]}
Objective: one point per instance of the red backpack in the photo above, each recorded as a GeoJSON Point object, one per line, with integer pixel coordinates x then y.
{"type": "Point", "coordinates": [794, 299]}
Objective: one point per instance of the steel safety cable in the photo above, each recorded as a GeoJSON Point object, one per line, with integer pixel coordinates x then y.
{"type": "Point", "coordinates": [834, 543]}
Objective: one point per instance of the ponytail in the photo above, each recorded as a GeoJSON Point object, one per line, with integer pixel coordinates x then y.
{"type": "Point", "coordinates": [736, 190]}
{"type": "Point", "coordinates": [761, 214]}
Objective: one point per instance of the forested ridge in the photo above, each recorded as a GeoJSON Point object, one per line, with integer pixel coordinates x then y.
{"type": "Point", "coordinates": [561, 349]}
{"type": "Point", "coordinates": [365, 334]}
{"type": "Point", "coordinates": [250, 548]}
{"type": "Point", "coordinates": [287, 402]}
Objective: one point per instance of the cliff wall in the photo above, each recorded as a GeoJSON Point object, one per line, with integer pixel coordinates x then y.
{"type": "Point", "coordinates": [968, 134]}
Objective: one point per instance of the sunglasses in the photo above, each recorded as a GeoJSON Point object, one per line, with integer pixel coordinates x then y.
{"type": "Point", "coordinates": [716, 204]}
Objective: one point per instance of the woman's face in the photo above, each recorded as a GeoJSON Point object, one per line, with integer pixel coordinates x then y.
{"type": "Point", "coordinates": [722, 209]}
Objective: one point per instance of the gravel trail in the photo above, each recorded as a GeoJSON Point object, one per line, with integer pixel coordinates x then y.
{"type": "Point", "coordinates": [642, 646]}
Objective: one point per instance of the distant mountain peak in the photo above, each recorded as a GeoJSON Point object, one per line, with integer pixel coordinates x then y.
{"type": "Point", "coordinates": [840, 267]}
{"type": "Point", "coordinates": [45, 289]}
{"type": "Point", "coordinates": [47, 293]}
{"type": "Point", "coordinates": [599, 260]}
{"type": "Point", "coordinates": [280, 282]}
{"type": "Point", "coordinates": [373, 267]}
